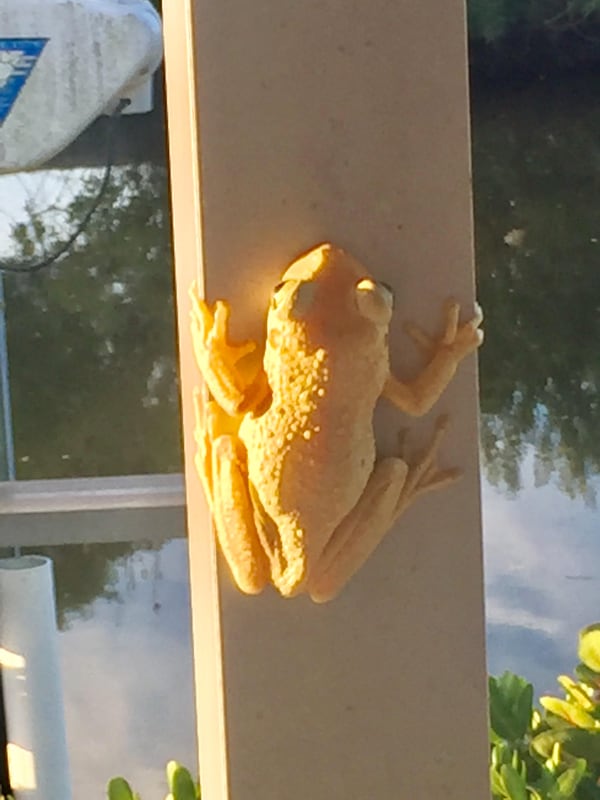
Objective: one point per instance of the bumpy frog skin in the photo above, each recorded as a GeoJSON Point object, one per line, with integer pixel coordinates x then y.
{"type": "Point", "coordinates": [286, 451]}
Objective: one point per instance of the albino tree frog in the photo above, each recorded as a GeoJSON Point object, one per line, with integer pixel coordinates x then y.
{"type": "Point", "coordinates": [286, 450]}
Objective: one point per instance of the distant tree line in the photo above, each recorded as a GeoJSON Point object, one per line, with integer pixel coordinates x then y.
{"type": "Point", "coordinates": [512, 39]}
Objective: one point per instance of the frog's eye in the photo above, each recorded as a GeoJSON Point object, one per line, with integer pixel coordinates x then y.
{"type": "Point", "coordinates": [387, 289]}
{"type": "Point", "coordinates": [375, 300]}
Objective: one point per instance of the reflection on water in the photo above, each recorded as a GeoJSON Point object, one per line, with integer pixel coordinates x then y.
{"type": "Point", "coordinates": [542, 549]}
{"type": "Point", "coordinates": [537, 187]}
{"type": "Point", "coordinates": [127, 672]}
{"type": "Point", "coordinates": [537, 194]}
{"type": "Point", "coordinates": [91, 339]}
{"type": "Point", "coordinates": [83, 574]}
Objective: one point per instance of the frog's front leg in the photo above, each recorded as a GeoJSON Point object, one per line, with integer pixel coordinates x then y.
{"type": "Point", "coordinates": [443, 354]}
{"type": "Point", "coordinates": [221, 463]}
{"type": "Point", "coordinates": [391, 489]}
{"type": "Point", "coordinates": [218, 359]}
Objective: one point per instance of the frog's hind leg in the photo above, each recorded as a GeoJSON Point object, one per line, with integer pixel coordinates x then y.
{"type": "Point", "coordinates": [360, 532]}
{"type": "Point", "coordinates": [391, 489]}
{"type": "Point", "coordinates": [221, 463]}
{"type": "Point", "coordinates": [425, 476]}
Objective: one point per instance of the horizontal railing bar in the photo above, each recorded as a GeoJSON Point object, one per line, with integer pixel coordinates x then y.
{"type": "Point", "coordinates": [91, 494]}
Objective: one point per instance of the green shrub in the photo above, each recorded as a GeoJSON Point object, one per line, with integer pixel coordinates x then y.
{"type": "Point", "coordinates": [181, 786]}
{"type": "Point", "coordinates": [552, 753]}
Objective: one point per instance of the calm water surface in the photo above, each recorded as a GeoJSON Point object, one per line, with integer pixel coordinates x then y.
{"type": "Point", "coordinates": [537, 201]}
{"type": "Point", "coordinates": [127, 674]}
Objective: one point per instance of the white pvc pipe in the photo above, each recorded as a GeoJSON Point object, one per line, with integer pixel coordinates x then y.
{"type": "Point", "coordinates": [32, 688]}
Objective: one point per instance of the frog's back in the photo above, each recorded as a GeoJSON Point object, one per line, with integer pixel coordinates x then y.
{"type": "Point", "coordinates": [311, 451]}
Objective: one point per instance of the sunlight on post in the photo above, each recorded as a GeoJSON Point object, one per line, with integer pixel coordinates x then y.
{"type": "Point", "coordinates": [10, 660]}
{"type": "Point", "coordinates": [21, 766]}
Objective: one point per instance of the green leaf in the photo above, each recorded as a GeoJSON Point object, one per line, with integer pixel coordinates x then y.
{"type": "Point", "coordinates": [516, 788]}
{"type": "Point", "coordinates": [119, 789]}
{"type": "Point", "coordinates": [589, 646]}
{"type": "Point", "coordinates": [588, 676]}
{"type": "Point", "coordinates": [567, 783]}
{"type": "Point", "coordinates": [575, 741]}
{"type": "Point", "coordinates": [182, 785]}
{"type": "Point", "coordinates": [511, 705]}
{"type": "Point", "coordinates": [497, 783]}
{"type": "Point", "coordinates": [576, 692]}
{"type": "Point", "coordinates": [588, 789]}
{"type": "Point", "coordinates": [497, 755]}
{"type": "Point", "coordinates": [572, 713]}
{"type": "Point", "coordinates": [172, 766]}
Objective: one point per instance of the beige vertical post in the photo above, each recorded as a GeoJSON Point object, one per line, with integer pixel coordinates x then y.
{"type": "Point", "coordinates": [343, 121]}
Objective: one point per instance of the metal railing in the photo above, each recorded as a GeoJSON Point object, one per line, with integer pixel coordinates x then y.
{"type": "Point", "coordinates": [91, 510]}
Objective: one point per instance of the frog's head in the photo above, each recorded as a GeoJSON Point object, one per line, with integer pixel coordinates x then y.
{"type": "Point", "coordinates": [326, 291]}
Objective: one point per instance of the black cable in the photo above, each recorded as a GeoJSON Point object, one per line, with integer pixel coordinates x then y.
{"type": "Point", "coordinates": [5, 787]}
{"type": "Point", "coordinates": [66, 245]}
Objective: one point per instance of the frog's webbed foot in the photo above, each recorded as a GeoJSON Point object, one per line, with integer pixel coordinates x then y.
{"type": "Point", "coordinates": [442, 354]}
{"type": "Point", "coordinates": [218, 358]}
{"type": "Point", "coordinates": [457, 340]}
{"type": "Point", "coordinates": [391, 489]}
{"type": "Point", "coordinates": [221, 463]}
{"type": "Point", "coordinates": [425, 476]}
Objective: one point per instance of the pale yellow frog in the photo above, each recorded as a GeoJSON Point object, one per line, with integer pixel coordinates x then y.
{"type": "Point", "coordinates": [286, 453]}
